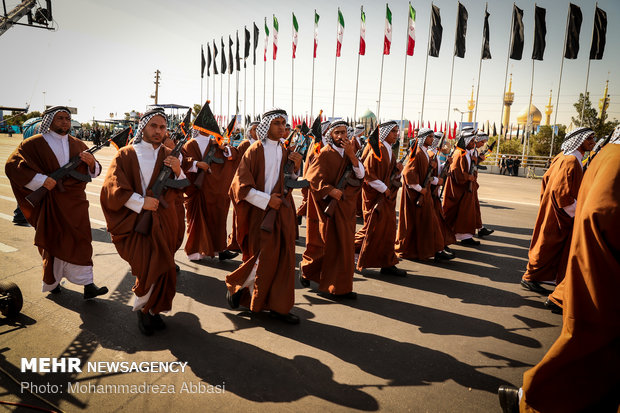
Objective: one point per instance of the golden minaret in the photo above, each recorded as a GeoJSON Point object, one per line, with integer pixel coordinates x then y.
{"type": "Point", "coordinates": [548, 110]}
{"type": "Point", "coordinates": [471, 104]}
{"type": "Point", "coordinates": [603, 103]}
{"type": "Point", "coordinates": [509, 97]}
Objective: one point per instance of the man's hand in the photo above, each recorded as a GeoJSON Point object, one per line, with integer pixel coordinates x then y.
{"type": "Point", "coordinates": [434, 163]}
{"type": "Point", "coordinates": [471, 177]}
{"type": "Point", "coordinates": [349, 150]}
{"type": "Point", "coordinates": [399, 166]}
{"type": "Point", "coordinates": [150, 203]}
{"type": "Point", "coordinates": [439, 181]}
{"type": "Point", "coordinates": [174, 164]}
{"type": "Point", "coordinates": [204, 166]}
{"type": "Point", "coordinates": [296, 158]}
{"type": "Point", "coordinates": [89, 160]}
{"type": "Point", "coordinates": [275, 201]}
{"type": "Point", "coordinates": [336, 194]}
{"type": "Point", "coordinates": [387, 193]}
{"type": "Point", "coordinates": [49, 183]}
{"type": "Point", "coordinates": [423, 191]}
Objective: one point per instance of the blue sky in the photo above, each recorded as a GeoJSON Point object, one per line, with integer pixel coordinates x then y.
{"type": "Point", "coordinates": [103, 57]}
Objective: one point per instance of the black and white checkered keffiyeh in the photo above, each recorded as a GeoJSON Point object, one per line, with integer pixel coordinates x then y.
{"type": "Point", "coordinates": [575, 138]}
{"type": "Point", "coordinates": [359, 129]}
{"type": "Point", "coordinates": [467, 135]}
{"type": "Point", "coordinates": [48, 118]}
{"type": "Point", "coordinates": [144, 120]}
{"type": "Point", "coordinates": [385, 128]}
{"type": "Point", "coordinates": [482, 136]}
{"type": "Point", "coordinates": [615, 136]}
{"type": "Point", "coordinates": [265, 123]}
{"type": "Point", "coordinates": [324, 126]}
{"type": "Point", "coordinates": [423, 133]}
{"type": "Point", "coordinates": [436, 140]}
{"type": "Point", "coordinates": [332, 126]}
{"type": "Point", "coordinates": [350, 132]}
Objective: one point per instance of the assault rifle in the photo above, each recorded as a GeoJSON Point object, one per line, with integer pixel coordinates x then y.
{"type": "Point", "coordinates": [429, 173]}
{"type": "Point", "coordinates": [345, 179]}
{"type": "Point", "coordinates": [164, 181]}
{"type": "Point", "coordinates": [68, 169]}
{"type": "Point", "coordinates": [472, 167]}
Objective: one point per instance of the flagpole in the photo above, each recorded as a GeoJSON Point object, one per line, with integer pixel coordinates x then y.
{"type": "Point", "coordinates": [583, 106]}
{"type": "Point", "coordinates": [501, 118]}
{"type": "Point", "coordinates": [221, 93]}
{"type": "Point", "coordinates": [357, 76]}
{"type": "Point", "coordinates": [228, 95]}
{"type": "Point", "coordinates": [480, 66]}
{"type": "Point", "coordinates": [428, 47]}
{"type": "Point", "coordinates": [453, 56]}
{"type": "Point", "coordinates": [312, 89]}
{"type": "Point", "coordinates": [292, 74]}
{"type": "Point", "coordinates": [557, 102]}
{"type": "Point", "coordinates": [334, 92]}
{"type": "Point", "coordinates": [528, 125]}
{"type": "Point", "coordinates": [254, 91]}
{"type": "Point", "coordinates": [402, 106]}
{"type": "Point", "coordinates": [273, 74]}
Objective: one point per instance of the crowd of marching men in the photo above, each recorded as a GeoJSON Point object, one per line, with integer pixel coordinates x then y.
{"type": "Point", "coordinates": [164, 184]}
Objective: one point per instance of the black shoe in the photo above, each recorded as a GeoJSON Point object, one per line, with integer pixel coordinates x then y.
{"type": "Point", "coordinates": [393, 271]}
{"type": "Point", "coordinates": [469, 242]}
{"type": "Point", "coordinates": [145, 323]}
{"type": "Point", "coordinates": [533, 286]}
{"type": "Point", "coordinates": [349, 296]}
{"type": "Point", "coordinates": [443, 256]}
{"type": "Point", "coordinates": [299, 218]}
{"type": "Point", "coordinates": [177, 268]}
{"type": "Point", "coordinates": [21, 223]}
{"type": "Point", "coordinates": [508, 399]}
{"type": "Point", "coordinates": [287, 318]}
{"type": "Point", "coordinates": [448, 250]}
{"type": "Point", "coordinates": [483, 232]}
{"type": "Point", "coordinates": [234, 300]}
{"type": "Point", "coordinates": [92, 291]}
{"type": "Point", "coordinates": [227, 255]}
{"type": "Point", "coordinates": [555, 309]}
{"type": "Point", "coordinates": [56, 290]}
{"type": "Point", "coordinates": [303, 280]}
{"type": "Point", "coordinates": [157, 322]}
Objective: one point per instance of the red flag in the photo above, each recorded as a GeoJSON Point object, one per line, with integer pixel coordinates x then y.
{"type": "Point", "coordinates": [410, 129]}
{"type": "Point", "coordinates": [435, 127]}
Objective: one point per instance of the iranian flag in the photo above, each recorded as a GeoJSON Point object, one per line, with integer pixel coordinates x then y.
{"type": "Point", "coordinates": [316, 33]}
{"type": "Point", "coordinates": [266, 38]}
{"type": "Point", "coordinates": [387, 39]}
{"type": "Point", "coordinates": [340, 32]}
{"type": "Point", "coordinates": [363, 33]}
{"type": "Point", "coordinates": [295, 31]}
{"type": "Point", "coordinates": [411, 31]}
{"type": "Point", "coordinates": [275, 36]}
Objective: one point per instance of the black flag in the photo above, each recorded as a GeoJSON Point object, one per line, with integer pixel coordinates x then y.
{"type": "Point", "coordinates": [540, 32]}
{"type": "Point", "coordinates": [256, 33]}
{"type": "Point", "coordinates": [223, 62]}
{"type": "Point", "coordinates": [486, 50]}
{"type": "Point", "coordinates": [598, 35]}
{"type": "Point", "coordinates": [436, 32]}
{"type": "Point", "coordinates": [572, 34]}
{"type": "Point", "coordinates": [215, 72]}
{"type": "Point", "coordinates": [231, 65]}
{"type": "Point", "coordinates": [246, 50]}
{"type": "Point", "coordinates": [461, 30]}
{"type": "Point", "coordinates": [208, 60]}
{"type": "Point", "coordinates": [203, 63]}
{"type": "Point", "coordinates": [516, 41]}
{"type": "Point", "coordinates": [237, 58]}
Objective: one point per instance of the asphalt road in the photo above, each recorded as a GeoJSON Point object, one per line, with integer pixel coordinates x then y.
{"type": "Point", "coordinates": [440, 340]}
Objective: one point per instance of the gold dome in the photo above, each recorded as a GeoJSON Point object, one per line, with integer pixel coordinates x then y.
{"type": "Point", "coordinates": [535, 114]}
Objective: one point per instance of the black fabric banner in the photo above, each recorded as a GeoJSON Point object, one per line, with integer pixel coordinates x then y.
{"type": "Point", "coordinates": [516, 44]}
{"type": "Point", "coordinates": [436, 32]}
{"type": "Point", "coordinates": [461, 31]}
{"type": "Point", "coordinates": [223, 66]}
{"type": "Point", "coordinates": [237, 57]}
{"type": "Point", "coordinates": [572, 34]}
{"type": "Point", "coordinates": [598, 35]}
{"type": "Point", "coordinates": [256, 33]}
{"type": "Point", "coordinates": [540, 33]}
{"type": "Point", "coordinates": [231, 64]}
{"type": "Point", "coordinates": [246, 49]}
{"type": "Point", "coordinates": [215, 59]}
{"type": "Point", "coordinates": [486, 50]}
{"type": "Point", "coordinates": [203, 63]}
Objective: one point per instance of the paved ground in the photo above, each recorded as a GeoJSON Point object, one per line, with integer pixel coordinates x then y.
{"type": "Point", "coordinates": [441, 340]}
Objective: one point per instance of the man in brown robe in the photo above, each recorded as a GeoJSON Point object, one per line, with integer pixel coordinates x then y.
{"type": "Point", "coordinates": [481, 139]}
{"type": "Point", "coordinates": [459, 203]}
{"type": "Point", "coordinates": [126, 197]}
{"type": "Point", "coordinates": [447, 233]}
{"type": "Point", "coordinates": [581, 370]}
{"type": "Point", "coordinates": [207, 205]}
{"type": "Point", "coordinates": [243, 146]}
{"type": "Point", "coordinates": [419, 230]}
{"type": "Point", "coordinates": [548, 252]}
{"type": "Point", "coordinates": [266, 279]}
{"type": "Point", "coordinates": [60, 219]}
{"type": "Point", "coordinates": [375, 241]}
{"type": "Point", "coordinates": [329, 256]}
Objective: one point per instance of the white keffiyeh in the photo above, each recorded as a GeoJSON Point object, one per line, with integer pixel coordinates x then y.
{"type": "Point", "coordinates": [575, 138]}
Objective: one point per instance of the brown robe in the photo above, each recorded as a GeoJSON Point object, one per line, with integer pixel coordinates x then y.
{"type": "Point", "coordinates": [303, 207]}
{"type": "Point", "coordinates": [60, 220]}
{"type": "Point", "coordinates": [447, 233]}
{"type": "Point", "coordinates": [232, 237]}
{"type": "Point", "coordinates": [478, 215]}
{"type": "Point", "coordinates": [151, 256]}
{"type": "Point", "coordinates": [375, 241]}
{"type": "Point", "coordinates": [459, 205]}
{"type": "Point", "coordinates": [583, 365]}
{"type": "Point", "coordinates": [274, 285]}
{"type": "Point", "coordinates": [419, 231]}
{"type": "Point", "coordinates": [551, 238]}
{"type": "Point", "coordinates": [207, 207]}
{"type": "Point", "coordinates": [329, 256]}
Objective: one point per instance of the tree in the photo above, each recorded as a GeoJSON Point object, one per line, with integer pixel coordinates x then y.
{"type": "Point", "coordinates": [510, 146]}
{"type": "Point", "coordinates": [541, 142]}
{"type": "Point", "coordinates": [197, 109]}
{"type": "Point", "coordinates": [591, 118]}
{"type": "Point", "coordinates": [19, 118]}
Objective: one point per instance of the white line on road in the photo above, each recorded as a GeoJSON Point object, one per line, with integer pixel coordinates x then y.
{"type": "Point", "coordinates": [510, 202]}
{"type": "Point", "coordinates": [6, 248]}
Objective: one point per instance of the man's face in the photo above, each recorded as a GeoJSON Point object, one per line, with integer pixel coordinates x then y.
{"type": "Point", "coordinates": [277, 129]}
{"type": "Point", "coordinates": [253, 132]}
{"type": "Point", "coordinates": [428, 141]}
{"type": "Point", "coordinates": [471, 144]}
{"type": "Point", "coordinates": [480, 144]}
{"type": "Point", "coordinates": [392, 136]}
{"type": "Point", "coordinates": [61, 124]}
{"type": "Point", "coordinates": [155, 131]}
{"type": "Point", "coordinates": [588, 144]}
{"type": "Point", "coordinates": [339, 135]}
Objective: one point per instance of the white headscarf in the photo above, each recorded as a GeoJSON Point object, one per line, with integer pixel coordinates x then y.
{"type": "Point", "coordinates": [436, 140]}
{"type": "Point", "coordinates": [265, 123]}
{"type": "Point", "coordinates": [144, 120]}
{"type": "Point", "coordinates": [423, 133]}
{"type": "Point", "coordinates": [48, 118]}
{"type": "Point", "coordinates": [615, 136]}
{"type": "Point", "coordinates": [482, 136]}
{"type": "Point", "coordinates": [575, 138]}
{"type": "Point", "coordinates": [386, 128]}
